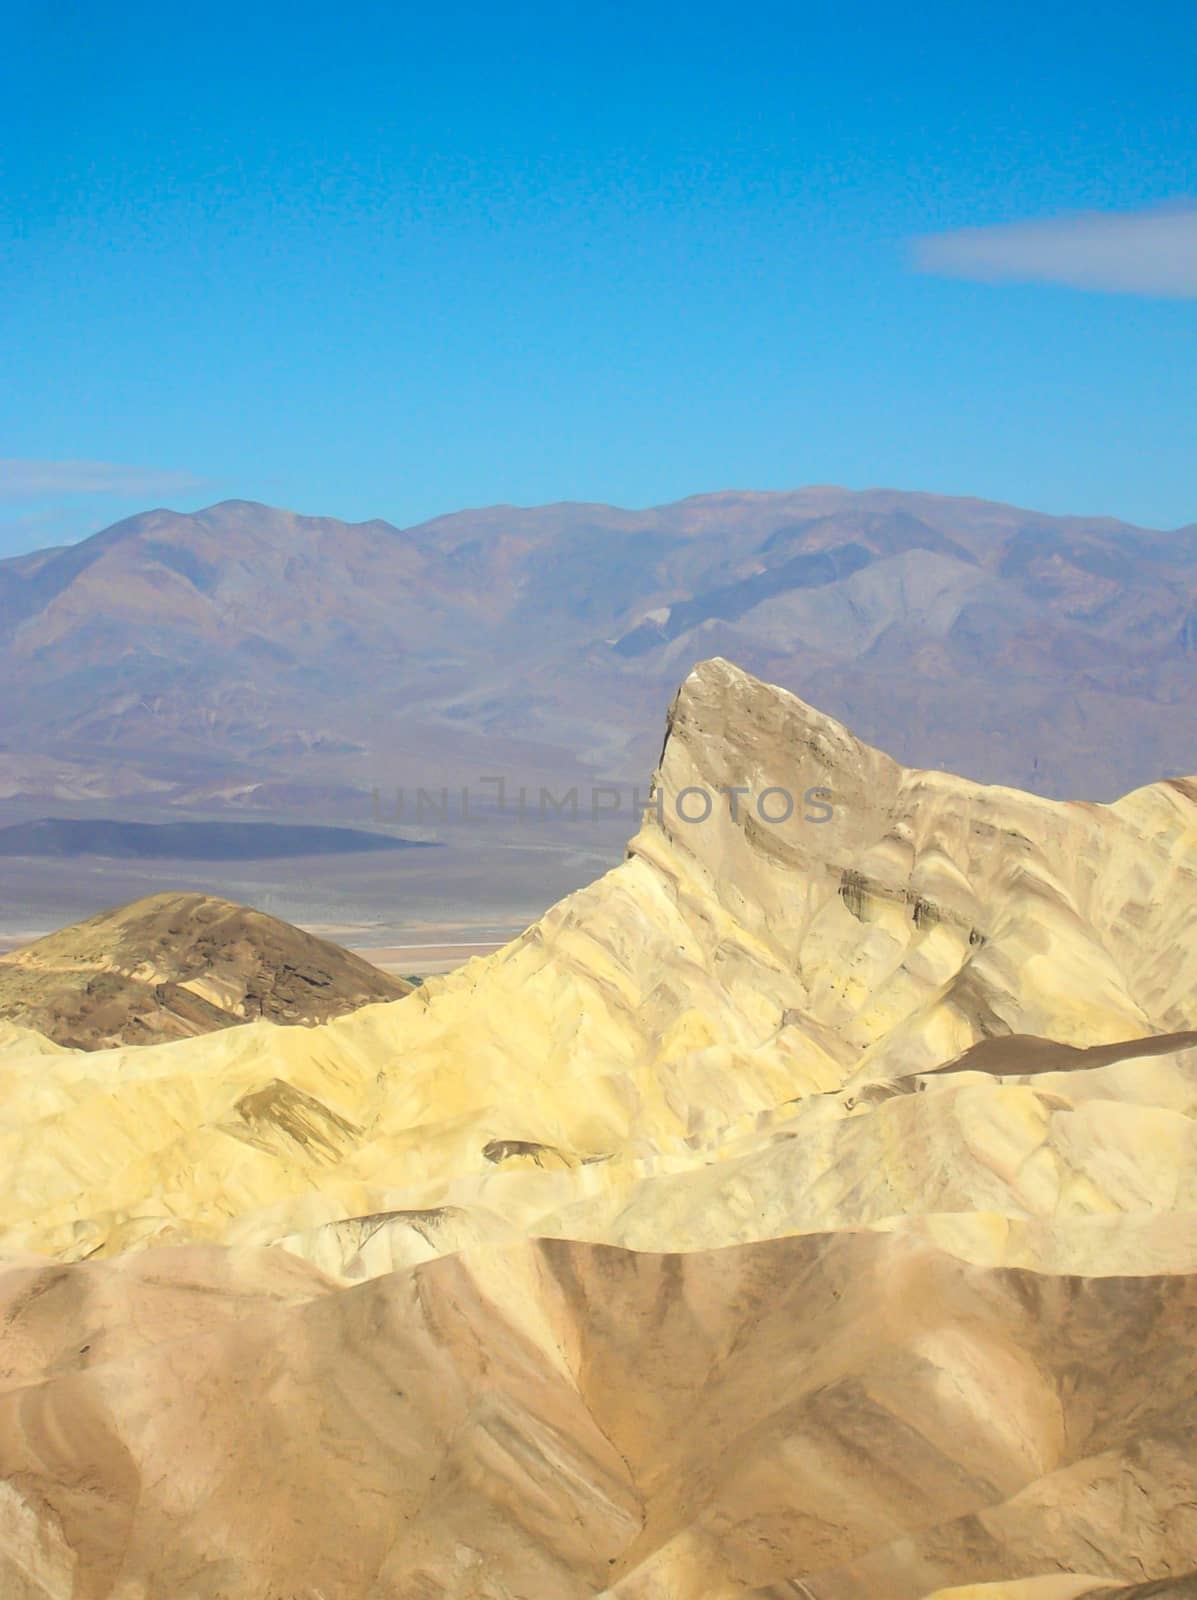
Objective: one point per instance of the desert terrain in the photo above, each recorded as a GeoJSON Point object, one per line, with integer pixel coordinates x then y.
{"type": "Point", "coordinates": [179, 965]}
{"type": "Point", "coordinates": [805, 1208]}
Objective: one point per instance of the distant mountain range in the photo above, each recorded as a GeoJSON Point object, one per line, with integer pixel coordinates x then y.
{"type": "Point", "coordinates": [249, 658]}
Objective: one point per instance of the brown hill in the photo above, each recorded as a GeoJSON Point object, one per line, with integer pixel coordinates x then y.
{"type": "Point", "coordinates": [174, 965]}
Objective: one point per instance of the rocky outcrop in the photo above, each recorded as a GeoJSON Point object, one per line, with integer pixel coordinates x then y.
{"type": "Point", "coordinates": [808, 1209]}
{"type": "Point", "coordinates": [175, 965]}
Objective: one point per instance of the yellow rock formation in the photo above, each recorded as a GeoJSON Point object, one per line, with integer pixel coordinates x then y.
{"type": "Point", "coordinates": [733, 1232]}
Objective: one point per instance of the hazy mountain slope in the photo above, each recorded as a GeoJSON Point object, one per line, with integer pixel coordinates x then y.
{"type": "Point", "coordinates": [808, 1208]}
{"type": "Point", "coordinates": [175, 965]}
{"type": "Point", "coordinates": [244, 651]}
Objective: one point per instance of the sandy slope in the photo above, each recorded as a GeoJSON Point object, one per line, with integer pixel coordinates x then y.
{"type": "Point", "coordinates": [733, 1232]}
{"type": "Point", "coordinates": [854, 1415]}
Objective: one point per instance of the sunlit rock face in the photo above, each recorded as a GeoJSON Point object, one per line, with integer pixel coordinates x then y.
{"type": "Point", "coordinates": [808, 1208]}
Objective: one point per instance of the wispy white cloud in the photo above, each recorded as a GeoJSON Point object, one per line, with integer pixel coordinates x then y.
{"type": "Point", "coordinates": [33, 480]}
{"type": "Point", "coordinates": [1120, 252]}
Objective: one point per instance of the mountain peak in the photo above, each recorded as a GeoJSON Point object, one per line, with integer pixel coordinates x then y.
{"type": "Point", "coordinates": [810, 1191]}
{"type": "Point", "coordinates": [726, 723]}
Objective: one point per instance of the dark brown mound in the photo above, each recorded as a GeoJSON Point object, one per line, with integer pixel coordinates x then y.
{"type": "Point", "coordinates": [175, 965]}
{"type": "Point", "coordinates": [1025, 1055]}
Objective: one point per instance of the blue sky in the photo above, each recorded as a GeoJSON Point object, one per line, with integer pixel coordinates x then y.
{"type": "Point", "coordinates": [386, 260]}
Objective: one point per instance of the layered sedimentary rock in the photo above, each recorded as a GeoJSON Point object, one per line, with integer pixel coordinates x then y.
{"type": "Point", "coordinates": [175, 965]}
{"type": "Point", "coordinates": [856, 1415]}
{"type": "Point", "coordinates": [808, 1208]}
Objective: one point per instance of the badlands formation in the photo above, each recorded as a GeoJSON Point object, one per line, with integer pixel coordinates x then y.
{"type": "Point", "coordinates": [807, 1210]}
{"type": "Point", "coordinates": [174, 965]}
